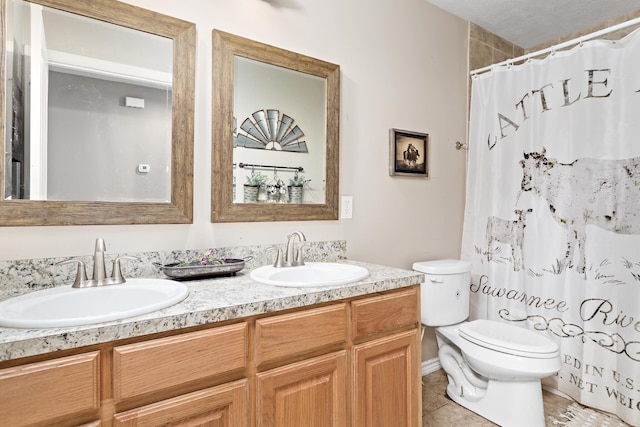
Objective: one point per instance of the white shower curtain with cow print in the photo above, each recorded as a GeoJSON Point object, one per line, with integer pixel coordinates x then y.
{"type": "Point", "coordinates": [552, 220]}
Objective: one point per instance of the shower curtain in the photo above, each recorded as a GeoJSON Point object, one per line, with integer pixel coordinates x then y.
{"type": "Point", "coordinates": [552, 217]}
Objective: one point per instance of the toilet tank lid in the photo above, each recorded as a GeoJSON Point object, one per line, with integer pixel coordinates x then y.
{"type": "Point", "coordinates": [443, 266]}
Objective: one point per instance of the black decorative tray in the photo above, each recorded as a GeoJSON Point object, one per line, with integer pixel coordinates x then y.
{"type": "Point", "coordinates": [229, 268]}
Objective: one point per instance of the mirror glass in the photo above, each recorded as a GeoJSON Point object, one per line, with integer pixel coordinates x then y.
{"type": "Point", "coordinates": [97, 123]}
{"type": "Point", "coordinates": [280, 118]}
{"type": "Point", "coordinates": [276, 133]}
{"type": "Point", "coordinates": [90, 116]}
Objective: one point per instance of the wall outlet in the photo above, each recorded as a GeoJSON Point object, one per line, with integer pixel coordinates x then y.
{"type": "Point", "coordinates": [346, 207]}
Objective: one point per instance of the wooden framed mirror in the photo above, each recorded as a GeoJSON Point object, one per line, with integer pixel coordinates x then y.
{"type": "Point", "coordinates": [279, 163]}
{"type": "Point", "coordinates": [36, 206]}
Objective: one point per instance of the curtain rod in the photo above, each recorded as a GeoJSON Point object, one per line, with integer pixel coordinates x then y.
{"type": "Point", "coordinates": [577, 40]}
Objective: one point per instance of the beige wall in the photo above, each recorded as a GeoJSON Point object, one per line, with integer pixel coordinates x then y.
{"type": "Point", "coordinates": [402, 67]}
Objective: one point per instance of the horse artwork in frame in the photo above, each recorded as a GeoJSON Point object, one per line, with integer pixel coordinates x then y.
{"type": "Point", "coordinates": [408, 153]}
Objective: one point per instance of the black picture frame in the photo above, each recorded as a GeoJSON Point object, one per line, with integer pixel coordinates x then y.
{"type": "Point", "coordinates": [408, 153]}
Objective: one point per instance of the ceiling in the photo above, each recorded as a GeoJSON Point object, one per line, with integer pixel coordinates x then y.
{"type": "Point", "coordinates": [528, 23]}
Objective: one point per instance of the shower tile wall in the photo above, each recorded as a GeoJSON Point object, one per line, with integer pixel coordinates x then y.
{"type": "Point", "coordinates": [616, 35]}
{"type": "Point", "coordinates": [486, 48]}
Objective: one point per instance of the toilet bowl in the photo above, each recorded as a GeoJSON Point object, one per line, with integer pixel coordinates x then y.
{"type": "Point", "coordinates": [493, 368]}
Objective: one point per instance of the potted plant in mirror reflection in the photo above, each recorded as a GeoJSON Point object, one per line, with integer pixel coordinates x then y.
{"type": "Point", "coordinates": [252, 186]}
{"type": "Point", "coordinates": [275, 191]}
{"type": "Point", "coordinates": [296, 187]}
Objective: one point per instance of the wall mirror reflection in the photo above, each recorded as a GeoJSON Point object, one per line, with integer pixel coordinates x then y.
{"type": "Point", "coordinates": [279, 132]}
{"type": "Point", "coordinates": [275, 126]}
{"type": "Point", "coordinates": [98, 125]}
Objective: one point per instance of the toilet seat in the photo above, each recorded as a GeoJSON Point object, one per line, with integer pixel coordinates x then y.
{"type": "Point", "coordinates": [507, 338]}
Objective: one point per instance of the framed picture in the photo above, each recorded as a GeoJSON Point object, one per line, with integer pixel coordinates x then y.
{"type": "Point", "coordinates": [408, 153]}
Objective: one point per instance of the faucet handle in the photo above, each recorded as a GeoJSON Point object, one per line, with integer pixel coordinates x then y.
{"type": "Point", "coordinates": [116, 273]}
{"type": "Point", "coordinates": [81, 274]}
{"type": "Point", "coordinates": [279, 258]}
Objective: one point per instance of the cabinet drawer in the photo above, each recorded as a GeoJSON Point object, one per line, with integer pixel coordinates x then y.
{"type": "Point", "coordinates": [44, 391]}
{"type": "Point", "coordinates": [298, 333]}
{"type": "Point", "coordinates": [168, 362]}
{"type": "Point", "coordinates": [384, 313]}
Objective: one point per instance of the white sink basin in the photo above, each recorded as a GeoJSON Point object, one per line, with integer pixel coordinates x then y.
{"type": "Point", "coordinates": [67, 306]}
{"type": "Point", "coordinates": [310, 274]}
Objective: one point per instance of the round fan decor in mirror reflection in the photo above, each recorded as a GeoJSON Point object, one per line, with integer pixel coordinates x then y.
{"type": "Point", "coordinates": [269, 130]}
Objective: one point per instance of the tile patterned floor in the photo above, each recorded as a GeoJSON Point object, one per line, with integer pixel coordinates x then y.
{"type": "Point", "coordinates": [438, 410]}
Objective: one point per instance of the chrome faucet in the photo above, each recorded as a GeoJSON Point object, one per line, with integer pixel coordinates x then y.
{"type": "Point", "coordinates": [292, 258]}
{"type": "Point", "coordinates": [99, 271]}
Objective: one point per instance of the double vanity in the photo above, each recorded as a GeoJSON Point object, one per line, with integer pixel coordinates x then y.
{"type": "Point", "coordinates": [330, 343]}
{"type": "Point", "coordinates": [234, 352]}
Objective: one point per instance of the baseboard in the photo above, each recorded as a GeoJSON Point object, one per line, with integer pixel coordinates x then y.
{"type": "Point", "coordinates": [431, 365]}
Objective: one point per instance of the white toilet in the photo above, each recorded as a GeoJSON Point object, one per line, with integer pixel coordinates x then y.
{"type": "Point", "coordinates": [494, 368]}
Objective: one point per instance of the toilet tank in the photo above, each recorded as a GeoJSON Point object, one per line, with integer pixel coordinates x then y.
{"type": "Point", "coordinates": [445, 292]}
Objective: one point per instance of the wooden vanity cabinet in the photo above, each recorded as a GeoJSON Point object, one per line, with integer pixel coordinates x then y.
{"type": "Point", "coordinates": [311, 392]}
{"type": "Point", "coordinates": [352, 363]}
{"type": "Point", "coordinates": [380, 339]}
{"type": "Point", "coordinates": [386, 360]}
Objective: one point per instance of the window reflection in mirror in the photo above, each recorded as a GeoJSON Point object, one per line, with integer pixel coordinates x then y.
{"type": "Point", "coordinates": [88, 116]}
{"type": "Point", "coordinates": [280, 117]}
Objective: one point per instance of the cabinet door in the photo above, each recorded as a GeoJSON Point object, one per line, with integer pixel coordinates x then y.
{"type": "Point", "coordinates": [221, 406]}
{"type": "Point", "coordinates": [310, 393]}
{"type": "Point", "coordinates": [386, 382]}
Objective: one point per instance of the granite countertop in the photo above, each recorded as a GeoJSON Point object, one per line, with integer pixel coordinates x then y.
{"type": "Point", "coordinates": [209, 301]}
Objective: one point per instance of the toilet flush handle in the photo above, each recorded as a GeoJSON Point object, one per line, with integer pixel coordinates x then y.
{"type": "Point", "coordinates": [436, 279]}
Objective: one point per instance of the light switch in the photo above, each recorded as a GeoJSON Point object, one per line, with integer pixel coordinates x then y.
{"type": "Point", "coordinates": [346, 207]}
{"type": "Point", "coordinates": [144, 168]}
